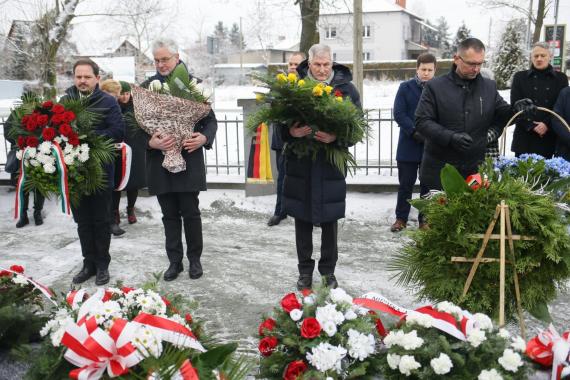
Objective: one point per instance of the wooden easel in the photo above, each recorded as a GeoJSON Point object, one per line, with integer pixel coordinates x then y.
{"type": "Point", "coordinates": [506, 234]}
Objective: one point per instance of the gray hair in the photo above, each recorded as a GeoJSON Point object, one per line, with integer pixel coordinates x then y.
{"type": "Point", "coordinates": [165, 43]}
{"type": "Point", "coordinates": [318, 50]}
{"type": "Point", "coordinates": [541, 44]}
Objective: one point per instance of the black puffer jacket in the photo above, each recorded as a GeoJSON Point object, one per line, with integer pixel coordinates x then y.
{"type": "Point", "coordinates": [315, 191]}
{"type": "Point", "coordinates": [450, 105]}
{"type": "Point", "coordinates": [562, 108]}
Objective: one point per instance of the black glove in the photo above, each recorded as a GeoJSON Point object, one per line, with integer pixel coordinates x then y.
{"type": "Point", "coordinates": [527, 107]}
{"type": "Point", "coordinates": [418, 137]}
{"type": "Point", "coordinates": [461, 141]}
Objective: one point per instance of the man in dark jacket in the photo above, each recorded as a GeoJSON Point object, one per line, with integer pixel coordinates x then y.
{"type": "Point", "coordinates": [177, 193]}
{"type": "Point", "coordinates": [93, 214]}
{"type": "Point", "coordinates": [562, 108]}
{"type": "Point", "coordinates": [410, 142]}
{"type": "Point", "coordinates": [455, 112]}
{"type": "Point", "coordinates": [541, 84]}
{"type": "Point", "coordinates": [277, 145]}
{"type": "Point", "coordinates": [314, 191]}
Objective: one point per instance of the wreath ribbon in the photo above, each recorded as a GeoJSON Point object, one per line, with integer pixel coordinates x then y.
{"type": "Point", "coordinates": [19, 201]}
{"type": "Point", "coordinates": [42, 288]}
{"type": "Point", "coordinates": [126, 162]}
{"type": "Point", "coordinates": [549, 348]}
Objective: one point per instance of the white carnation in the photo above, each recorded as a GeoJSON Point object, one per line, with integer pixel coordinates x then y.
{"type": "Point", "coordinates": [393, 360]}
{"type": "Point", "coordinates": [45, 147]}
{"type": "Point", "coordinates": [407, 364]}
{"type": "Point", "coordinates": [411, 341]}
{"type": "Point", "coordinates": [483, 321]}
{"type": "Point", "coordinates": [360, 346]}
{"type": "Point", "coordinates": [32, 152]}
{"type": "Point", "coordinates": [491, 374]}
{"type": "Point", "coordinates": [329, 313]}
{"type": "Point", "coordinates": [393, 338]}
{"type": "Point", "coordinates": [325, 357]}
{"type": "Point", "coordinates": [329, 328]}
{"type": "Point", "coordinates": [504, 333]}
{"type": "Point", "coordinates": [48, 168]}
{"type": "Point", "coordinates": [519, 344]}
{"type": "Point", "coordinates": [83, 156]}
{"type": "Point", "coordinates": [20, 280]}
{"type": "Point", "coordinates": [338, 295]}
{"type": "Point", "coordinates": [441, 365]}
{"type": "Point", "coordinates": [309, 300]}
{"type": "Point", "coordinates": [295, 314]}
{"type": "Point", "coordinates": [68, 149]}
{"type": "Point", "coordinates": [69, 158]}
{"type": "Point", "coordinates": [350, 315]}
{"type": "Point", "coordinates": [420, 319]}
{"type": "Point", "coordinates": [511, 361]}
{"type": "Point", "coordinates": [476, 337]}
{"type": "Point", "coordinates": [450, 308]}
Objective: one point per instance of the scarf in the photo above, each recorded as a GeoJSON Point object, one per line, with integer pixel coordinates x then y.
{"type": "Point", "coordinates": [326, 81]}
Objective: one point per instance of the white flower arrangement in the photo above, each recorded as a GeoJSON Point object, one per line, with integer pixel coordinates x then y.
{"type": "Point", "coordinates": [491, 374]}
{"type": "Point", "coordinates": [326, 357]}
{"type": "Point", "coordinates": [511, 361]}
{"type": "Point", "coordinates": [442, 364]}
{"type": "Point", "coordinates": [360, 346]}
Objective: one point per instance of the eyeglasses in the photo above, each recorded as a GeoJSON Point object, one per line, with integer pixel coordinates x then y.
{"type": "Point", "coordinates": [163, 60]}
{"type": "Point", "coordinates": [472, 64]}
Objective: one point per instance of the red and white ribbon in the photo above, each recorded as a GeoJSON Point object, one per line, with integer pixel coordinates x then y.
{"type": "Point", "coordinates": [19, 201]}
{"type": "Point", "coordinates": [126, 161]}
{"type": "Point", "coordinates": [42, 288]}
{"type": "Point", "coordinates": [549, 348]}
{"type": "Point", "coordinates": [74, 297]}
{"type": "Point", "coordinates": [170, 331]}
{"type": "Point", "coordinates": [63, 179]}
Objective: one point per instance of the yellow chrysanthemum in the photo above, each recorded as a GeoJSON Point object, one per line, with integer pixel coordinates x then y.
{"type": "Point", "coordinates": [338, 98]}
{"type": "Point", "coordinates": [259, 97]}
{"type": "Point", "coordinates": [301, 82]}
{"type": "Point", "coordinates": [318, 90]}
{"type": "Point", "coordinates": [328, 90]}
{"type": "Point", "coordinates": [281, 77]}
{"type": "Point", "coordinates": [292, 77]}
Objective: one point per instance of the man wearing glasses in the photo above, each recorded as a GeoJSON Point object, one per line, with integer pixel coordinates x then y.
{"type": "Point", "coordinates": [177, 193]}
{"type": "Point", "coordinates": [455, 113]}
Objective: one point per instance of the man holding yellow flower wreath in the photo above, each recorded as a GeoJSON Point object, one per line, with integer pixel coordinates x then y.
{"type": "Point", "coordinates": [314, 190]}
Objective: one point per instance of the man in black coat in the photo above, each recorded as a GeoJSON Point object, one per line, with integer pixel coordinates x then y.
{"type": "Point", "coordinates": [177, 193]}
{"type": "Point", "coordinates": [93, 214]}
{"type": "Point", "coordinates": [455, 113]}
{"type": "Point", "coordinates": [541, 84]}
{"type": "Point", "coordinates": [277, 145]}
{"type": "Point", "coordinates": [314, 191]}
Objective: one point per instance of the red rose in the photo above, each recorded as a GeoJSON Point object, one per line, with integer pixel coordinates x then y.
{"type": "Point", "coordinates": [188, 318]}
{"type": "Point", "coordinates": [68, 116]}
{"type": "Point", "coordinates": [43, 120]}
{"type": "Point", "coordinates": [310, 328]}
{"type": "Point", "coordinates": [267, 325]}
{"type": "Point", "coordinates": [290, 302]}
{"type": "Point", "coordinates": [17, 268]}
{"type": "Point", "coordinates": [5, 273]}
{"type": "Point", "coordinates": [267, 345]}
{"type": "Point", "coordinates": [57, 119]}
{"type": "Point", "coordinates": [58, 108]}
{"type": "Point", "coordinates": [65, 129]}
{"type": "Point", "coordinates": [48, 134]}
{"type": "Point", "coordinates": [126, 289]}
{"type": "Point", "coordinates": [21, 142]}
{"type": "Point", "coordinates": [108, 295]}
{"type": "Point", "coordinates": [47, 104]}
{"type": "Point", "coordinates": [294, 370]}
{"type": "Point", "coordinates": [73, 139]}
{"type": "Point", "coordinates": [337, 93]}
{"type": "Point", "coordinates": [32, 141]}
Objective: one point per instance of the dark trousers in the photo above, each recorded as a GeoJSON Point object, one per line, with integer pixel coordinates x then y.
{"type": "Point", "coordinates": [92, 216]}
{"type": "Point", "coordinates": [38, 201]}
{"type": "Point", "coordinates": [132, 196]}
{"type": "Point", "coordinates": [280, 159]}
{"type": "Point", "coordinates": [304, 242]}
{"type": "Point", "coordinates": [178, 209]}
{"type": "Point", "coordinates": [407, 175]}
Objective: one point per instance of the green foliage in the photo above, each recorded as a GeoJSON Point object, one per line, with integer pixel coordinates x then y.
{"type": "Point", "coordinates": [511, 55]}
{"type": "Point", "coordinates": [541, 264]}
{"type": "Point", "coordinates": [180, 85]}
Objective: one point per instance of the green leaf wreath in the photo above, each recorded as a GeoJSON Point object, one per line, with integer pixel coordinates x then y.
{"type": "Point", "coordinates": [425, 266]}
{"type": "Point", "coordinates": [291, 100]}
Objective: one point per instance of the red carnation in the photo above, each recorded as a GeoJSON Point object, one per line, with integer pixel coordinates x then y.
{"type": "Point", "coordinates": [47, 104]}
{"type": "Point", "coordinates": [21, 142]}
{"type": "Point", "coordinates": [294, 370]}
{"type": "Point", "coordinates": [57, 119]}
{"type": "Point", "coordinates": [310, 328]}
{"type": "Point", "coordinates": [32, 141]}
{"type": "Point", "coordinates": [5, 273]}
{"type": "Point", "coordinates": [126, 289]}
{"type": "Point", "coordinates": [73, 139]}
{"type": "Point", "coordinates": [43, 120]}
{"type": "Point", "coordinates": [108, 295]}
{"type": "Point", "coordinates": [65, 129]}
{"type": "Point", "coordinates": [48, 134]}
{"type": "Point", "coordinates": [290, 302]}
{"type": "Point", "coordinates": [267, 325]}
{"type": "Point", "coordinates": [306, 292]}
{"type": "Point", "coordinates": [188, 318]}
{"type": "Point", "coordinates": [337, 93]}
{"type": "Point", "coordinates": [267, 345]}
{"type": "Point", "coordinates": [17, 268]}
{"type": "Point", "coordinates": [68, 116]}
{"type": "Point", "coordinates": [58, 108]}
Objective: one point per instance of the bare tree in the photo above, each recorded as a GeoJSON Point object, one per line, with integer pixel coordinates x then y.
{"type": "Point", "coordinates": [309, 23]}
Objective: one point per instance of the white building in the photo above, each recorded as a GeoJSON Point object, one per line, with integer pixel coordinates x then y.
{"type": "Point", "coordinates": [390, 31]}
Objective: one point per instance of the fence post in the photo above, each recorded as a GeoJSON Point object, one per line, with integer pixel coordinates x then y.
{"type": "Point", "coordinates": [255, 189]}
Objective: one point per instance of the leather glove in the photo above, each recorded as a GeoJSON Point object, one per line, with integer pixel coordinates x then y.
{"type": "Point", "coordinates": [461, 141]}
{"type": "Point", "coordinates": [527, 106]}
{"type": "Point", "coordinates": [418, 137]}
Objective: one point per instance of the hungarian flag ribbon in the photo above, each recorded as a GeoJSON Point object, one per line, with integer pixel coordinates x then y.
{"type": "Point", "coordinates": [19, 202]}
{"type": "Point", "coordinates": [63, 179]}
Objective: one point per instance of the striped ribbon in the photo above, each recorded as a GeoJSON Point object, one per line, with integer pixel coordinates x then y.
{"type": "Point", "coordinates": [19, 206]}
{"type": "Point", "coordinates": [42, 288]}
{"type": "Point", "coordinates": [63, 179]}
{"type": "Point", "coordinates": [126, 161]}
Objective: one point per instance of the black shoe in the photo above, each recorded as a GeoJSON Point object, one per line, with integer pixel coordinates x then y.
{"type": "Point", "coordinates": [116, 230]}
{"type": "Point", "coordinates": [38, 219]}
{"type": "Point", "coordinates": [305, 281]}
{"type": "Point", "coordinates": [24, 221]}
{"type": "Point", "coordinates": [331, 281]}
{"type": "Point", "coordinates": [172, 271]}
{"type": "Point", "coordinates": [275, 220]}
{"type": "Point", "coordinates": [195, 271]}
{"type": "Point", "coordinates": [84, 275]}
{"type": "Point", "coordinates": [102, 277]}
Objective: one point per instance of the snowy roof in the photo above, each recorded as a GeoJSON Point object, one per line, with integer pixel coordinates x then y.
{"type": "Point", "coordinates": [237, 65]}
{"type": "Point", "coordinates": [368, 6]}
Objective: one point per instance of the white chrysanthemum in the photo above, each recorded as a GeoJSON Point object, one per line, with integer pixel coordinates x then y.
{"type": "Point", "coordinates": [83, 148]}
{"type": "Point", "coordinates": [518, 344]}
{"type": "Point", "coordinates": [325, 357]}
{"type": "Point", "coordinates": [151, 302]}
{"type": "Point", "coordinates": [393, 360]}
{"type": "Point", "coordinates": [420, 319]}
{"type": "Point", "coordinates": [329, 313]}
{"type": "Point", "coordinates": [296, 314]}
{"type": "Point", "coordinates": [68, 149]}
{"type": "Point", "coordinates": [146, 342]}
{"type": "Point", "coordinates": [491, 374]}
{"type": "Point", "coordinates": [97, 311]}
{"type": "Point", "coordinates": [407, 364]}
{"type": "Point", "coordinates": [49, 168]}
{"type": "Point", "coordinates": [32, 152]}
{"type": "Point", "coordinates": [20, 280]}
{"type": "Point", "coordinates": [130, 299]}
{"type": "Point", "coordinates": [450, 308]}
{"type": "Point", "coordinates": [56, 327]}
{"type": "Point", "coordinates": [360, 346]}
{"type": "Point", "coordinates": [309, 300]}
{"type": "Point", "coordinates": [511, 361]}
{"type": "Point", "coordinates": [83, 156]}
{"type": "Point", "coordinates": [350, 315]}
{"type": "Point", "coordinates": [329, 328]}
{"type": "Point", "coordinates": [155, 86]}
{"type": "Point", "coordinates": [393, 338]}
{"type": "Point", "coordinates": [476, 337]}
{"type": "Point", "coordinates": [45, 147]}
{"type": "Point", "coordinates": [338, 295]}
{"type": "Point", "coordinates": [504, 333]}
{"type": "Point", "coordinates": [111, 310]}
{"type": "Point", "coordinates": [483, 321]}
{"type": "Point", "coordinates": [69, 158]}
{"type": "Point", "coordinates": [442, 364]}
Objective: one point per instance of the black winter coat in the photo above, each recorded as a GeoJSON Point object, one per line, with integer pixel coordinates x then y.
{"type": "Point", "coordinates": [110, 123]}
{"type": "Point", "coordinates": [542, 87]}
{"type": "Point", "coordinates": [160, 180]}
{"type": "Point", "coordinates": [449, 105]}
{"type": "Point", "coordinates": [562, 108]}
{"type": "Point", "coordinates": [315, 190]}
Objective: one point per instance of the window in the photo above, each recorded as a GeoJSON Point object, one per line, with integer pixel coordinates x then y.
{"type": "Point", "coordinates": [366, 56]}
{"type": "Point", "coordinates": [330, 32]}
{"type": "Point", "coordinates": [366, 31]}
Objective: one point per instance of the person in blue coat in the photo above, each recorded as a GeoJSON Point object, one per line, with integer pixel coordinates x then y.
{"type": "Point", "coordinates": [410, 142]}
{"type": "Point", "coordinates": [93, 213]}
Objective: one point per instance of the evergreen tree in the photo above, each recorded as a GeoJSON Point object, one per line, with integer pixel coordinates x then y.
{"type": "Point", "coordinates": [463, 32]}
{"type": "Point", "coordinates": [235, 36]}
{"type": "Point", "coordinates": [510, 57]}
{"type": "Point", "coordinates": [431, 36]}
{"type": "Point", "coordinates": [443, 37]}
{"type": "Point", "coordinates": [220, 31]}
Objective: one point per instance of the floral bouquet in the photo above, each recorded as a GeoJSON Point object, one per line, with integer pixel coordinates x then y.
{"type": "Point", "coordinates": [319, 106]}
{"type": "Point", "coordinates": [129, 332]}
{"type": "Point", "coordinates": [549, 349]}
{"type": "Point", "coordinates": [58, 151]}
{"type": "Point", "coordinates": [319, 335]}
{"type": "Point", "coordinates": [21, 307]}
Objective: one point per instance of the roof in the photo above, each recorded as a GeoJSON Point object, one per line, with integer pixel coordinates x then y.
{"type": "Point", "coordinates": [368, 6]}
